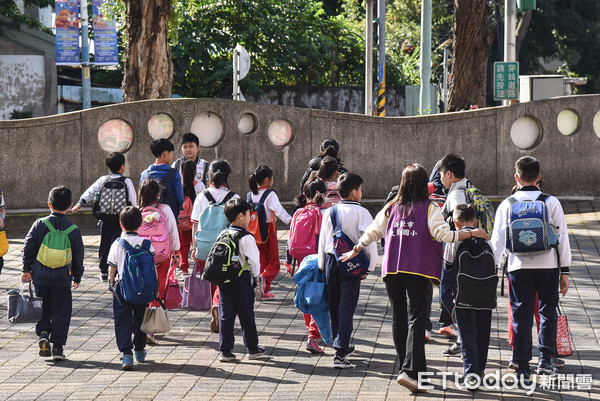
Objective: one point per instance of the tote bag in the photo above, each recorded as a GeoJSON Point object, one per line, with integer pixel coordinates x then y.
{"type": "Point", "coordinates": [196, 292]}
{"type": "Point", "coordinates": [23, 308]}
{"type": "Point", "coordinates": [156, 320]}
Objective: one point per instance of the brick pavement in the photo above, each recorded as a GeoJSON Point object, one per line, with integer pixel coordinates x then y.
{"type": "Point", "coordinates": [184, 366]}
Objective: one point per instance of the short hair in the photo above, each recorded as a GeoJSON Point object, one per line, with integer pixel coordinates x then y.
{"type": "Point", "coordinates": [234, 207]}
{"type": "Point", "coordinates": [159, 146]}
{"type": "Point", "coordinates": [527, 168]}
{"type": "Point", "coordinates": [189, 138]}
{"type": "Point", "coordinates": [131, 218]}
{"type": "Point", "coordinates": [348, 182]}
{"type": "Point", "coordinates": [60, 198]}
{"type": "Point", "coordinates": [453, 163]}
{"type": "Point", "coordinates": [114, 161]}
{"type": "Point", "coordinates": [464, 213]}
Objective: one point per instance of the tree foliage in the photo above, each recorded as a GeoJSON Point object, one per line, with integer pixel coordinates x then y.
{"type": "Point", "coordinates": [9, 8]}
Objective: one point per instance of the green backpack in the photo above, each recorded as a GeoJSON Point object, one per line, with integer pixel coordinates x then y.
{"type": "Point", "coordinates": [55, 250]}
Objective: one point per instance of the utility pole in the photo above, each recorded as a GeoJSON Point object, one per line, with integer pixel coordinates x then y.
{"type": "Point", "coordinates": [86, 83]}
{"type": "Point", "coordinates": [424, 100]}
{"type": "Point", "coordinates": [381, 75]}
{"type": "Point", "coordinates": [369, 59]}
{"type": "Point", "coordinates": [510, 34]}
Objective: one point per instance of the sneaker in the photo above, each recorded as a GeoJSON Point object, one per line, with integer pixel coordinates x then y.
{"type": "Point", "coordinates": [268, 295]}
{"type": "Point", "coordinates": [44, 347]}
{"type": "Point", "coordinates": [341, 362]}
{"type": "Point", "coordinates": [140, 356]}
{"type": "Point", "coordinates": [427, 335]}
{"type": "Point", "coordinates": [452, 350]}
{"type": "Point", "coordinates": [258, 353]}
{"type": "Point", "coordinates": [226, 356]}
{"type": "Point", "coordinates": [410, 383]}
{"type": "Point", "coordinates": [546, 368]}
{"type": "Point", "coordinates": [472, 382]}
{"type": "Point", "coordinates": [312, 345]}
{"type": "Point", "coordinates": [351, 350]}
{"type": "Point", "coordinates": [127, 362]}
{"type": "Point", "coordinates": [557, 362]}
{"type": "Point", "coordinates": [258, 290]}
{"type": "Point", "coordinates": [214, 323]}
{"type": "Point", "coordinates": [103, 277]}
{"type": "Point", "coordinates": [57, 353]}
{"type": "Point", "coordinates": [524, 376]}
{"type": "Point", "coordinates": [513, 365]}
{"type": "Point", "coordinates": [150, 339]}
{"type": "Point", "coordinates": [448, 332]}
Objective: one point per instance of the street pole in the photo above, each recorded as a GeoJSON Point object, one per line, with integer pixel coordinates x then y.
{"type": "Point", "coordinates": [236, 69]}
{"type": "Point", "coordinates": [510, 34]}
{"type": "Point", "coordinates": [445, 80]}
{"type": "Point", "coordinates": [369, 60]}
{"type": "Point", "coordinates": [381, 84]}
{"type": "Point", "coordinates": [425, 101]}
{"type": "Point", "coordinates": [86, 83]}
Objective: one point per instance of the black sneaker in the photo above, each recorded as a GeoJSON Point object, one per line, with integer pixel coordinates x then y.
{"type": "Point", "coordinates": [44, 347]}
{"type": "Point", "coordinates": [57, 353]}
{"type": "Point", "coordinates": [226, 356]}
{"type": "Point", "coordinates": [546, 368]}
{"type": "Point", "coordinates": [103, 277]}
{"type": "Point", "coordinates": [341, 362]}
{"type": "Point", "coordinates": [258, 353]}
{"type": "Point", "coordinates": [452, 350]}
{"type": "Point", "coordinates": [524, 377]}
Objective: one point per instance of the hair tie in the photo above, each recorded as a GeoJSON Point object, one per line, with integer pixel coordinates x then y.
{"type": "Point", "coordinates": [317, 193]}
{"type": "Point", "coordinates": [218, 170]}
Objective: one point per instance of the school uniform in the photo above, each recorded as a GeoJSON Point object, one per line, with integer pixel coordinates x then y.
{"type": "Point", "coordinates": [109, 230]}
{"type": "Point", "coordinates": [159, 171]}
{"type": "Point", "coordinates": [127, 316]}
{"type": "Point", "coordinates": [530, 273]}
{"type": "Point", "coordinates": [201, 171]}
{"type": "Point", "coordinates": [342, 290]}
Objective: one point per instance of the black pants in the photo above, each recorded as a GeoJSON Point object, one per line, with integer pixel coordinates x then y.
{"type": "Point", "coordinates": [128, 320]}
{"type": "Point", "coordinates": [56, 312]}
{"type": "Point", "coordinates": [474, 328]}
{"type": "Point", "coordinates": [408, 326]}
{"type": "Point", "coordinates": [110, 231]}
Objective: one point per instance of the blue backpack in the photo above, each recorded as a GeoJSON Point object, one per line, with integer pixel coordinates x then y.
{"type": "Point", "coordinates": [212, 221]}
{"type": "Point", "coordinates": [139, 282]}
{"type": "Point", "coordinates": [528, 228]}
{"type": "Point", "coordinates": [358, 265]}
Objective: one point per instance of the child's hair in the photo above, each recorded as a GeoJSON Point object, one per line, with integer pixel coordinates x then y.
{"type": "Point", "coordinates": [347, 183]}
{"type": "Point", "coordinates": [527, 168]}
{"type": "Point", "coordinates": [219, 172]}
{"type": "Point", "coordinates": [464, 213]}
{"type": "Point", "coordinates": [159, 146]}
{"type": "Point", "coordinates": [259, 175]}
{"type": "Point", "coordinates": [114, 161]}
{"type": "Point", "coordinates": [234, 207]}
{"type": "Point", "coordinates": [453, 163]}
{"type": "Point", "coordinates": [328, 168]}
{"type": "Point", "coordinates": [331, 147]}
{"type": "Point", "coordinates": [413, 188]}
{"type": "Point", "coordinates": [188, 171]}
{"type": "Point", "coordinates": [149, 192]}
{"type": "Point", "coordinates": [131, 218]}
{"type": "Point", "coordinates": [60, 198]}
{"type": "Point", "coordinates": [315, 190]}
{"type": "Point", "coordinates": [190, 138]}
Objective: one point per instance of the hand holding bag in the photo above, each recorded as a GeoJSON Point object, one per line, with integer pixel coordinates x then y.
{"type": "Point", "coordinates": [24, 308]}
{"type": "Point", "coordinates": [173, 295]}
{"type": "Point", "coordinates": [563, 338]}
{"type": "Point", "coordinates": [196, 291]}
{"type": "Point", "coordinates": [156, 320]}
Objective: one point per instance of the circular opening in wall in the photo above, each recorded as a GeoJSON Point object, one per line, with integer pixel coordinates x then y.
{"type": "Point", "coordinates": [280, 132]}
{"type": "Point", "coordinates": [161, 126]}
{"type": "Point", "coordinates": [115, 136]}
{"type": "Point", "coordinates": [208, 127]}
{"type": "Point", "coordinates": [526, 132]}
{"type": "Point", "coordinates": [247, 123]}
{"type": "Point", "coordinates": [597, 124]}
{"type": "Point", "coordinates": [568, 122]}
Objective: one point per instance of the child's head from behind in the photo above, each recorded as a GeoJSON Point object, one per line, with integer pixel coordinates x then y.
{"type": "Point", "coordinates": [464, 216]}
{"type": "Point", "coordinates": [149, 192]}
{"type": "Point", "coordinates": [190, 146]}
{"type": "Point", "coordinates": [115, 161]}
{"type": "Point", "coordinates": [130, 219]}
{"type": "Point", "coordinates": [162, 149]}
{"type": "Point", "coordinates": [527, 170]}
{"type": "Point", "coordinates": [328, 169]}
{"type": "Point", "coordinates": [237, 212]}
{"type": "Point", "coordinates": [413, 187]}
{"type": "Point", "coordinates": [219, 171]}
{"type": "Point", "coordinates": [188, 173]}
{"type": "Point", "coordinates": [314, 191]}
{"type": "Point", "coordinates": [330, 147]}
{"type": "Point", "coordinates": [350, 186]}
{"type": "Point", "coordinates": [262, 176]}
{"type": "Point", "coordinates": [452, 169]}
{"type": "Point", "coordinates": [59, 199]}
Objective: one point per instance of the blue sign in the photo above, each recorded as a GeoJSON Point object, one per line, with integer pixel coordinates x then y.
{"type": "Point", "coordinates": [106, 50]}
{"type": "Point", "coordinates": [67, 32]}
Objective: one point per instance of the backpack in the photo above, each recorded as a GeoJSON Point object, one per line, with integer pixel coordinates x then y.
{"type": "Point", "coordinates": [111, 200]}
{"type": "Point", "coordinates": [55, 250]}
{"type": "Point", "coordinates": [138, 283]}
{"type": "Point", "coordinates": [167, 196]}
{"type": "Point", "coordinates": [305, 227]}
{"type": "Point", "coordinates": [212, 221]}
{"type": "Point", "coordinates": [223, 264]}
{"type": "Point", "coordinates": [332, 195]}
{"type": "Point", "coordinates": [184, 221]}
{"type": "Point", "coordinates": [358, 265]}
{"type": "Point", "coordinates": [484, 211]}
{"type": "Point", "coordinates": [258, 226]}
{"type": "Point", "coordinates": [528, 228]}
{"type": "Point", "coordinates": [476, 278]}
{"type": "Point", "coordinates": [155, 227]}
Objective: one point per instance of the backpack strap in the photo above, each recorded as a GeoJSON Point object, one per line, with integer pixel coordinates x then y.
{"type": "Point", "coordinates": [227, 197]}
{"type": "Point", "coordinates": [146, 244]}
{"type": "Point", "coordinates": [205, 171]}
{"type": "Point", "coordinates": [512, 200]}
{"type": "Point", "coordinates": [126, 244]}
{"type": "Point", "coordinates": [208, 196]}
{"type": "Point", "coordinates": [543, 197]}
{"type": "Point", "coordinates": [46, 221]}
{"type": "Point", "coordinates": [70, 229]}
{"type": "Point", "coordinates": [263, 198]}
{"type": "Point", "coordinates": [334, 218]}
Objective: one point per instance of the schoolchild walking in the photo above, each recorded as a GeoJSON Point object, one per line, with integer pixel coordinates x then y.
{"type": "Point", "coordinates": [328, 173]}
{"type": "Point", "coordinates": [329, 147]}
{"type": "Point", "coordinates": [53, 259]}
{"type": "Point", "coordinates": [190, 146]}
{"type": "Point", "coordinates": [184, 222]}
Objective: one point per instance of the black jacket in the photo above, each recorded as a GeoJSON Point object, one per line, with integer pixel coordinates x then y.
{"type": "Point", "coordinates": [313, 165]}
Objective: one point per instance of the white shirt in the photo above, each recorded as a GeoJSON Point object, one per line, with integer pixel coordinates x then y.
{"type": "Point", "coordinates": [116, 255]}
{"type": "Point", "coordinates": [202, 203]}
{"type": "Point", "coordinates": [272, 206]}
{"type": "Point", "coordinates": [171, 225]}
{"type": "Point", "coordinates": [354, 220]}
{"type": "Point", "coordinates": [456, 196]}
{"type": "Point", "coordinates": [248, 252]}
{"type": "Point", "coordinates": [88, 195]}
{"type": "Point", "coordinates": [542, 260]}
{"type": "Point", "coordinates": [450, 249]}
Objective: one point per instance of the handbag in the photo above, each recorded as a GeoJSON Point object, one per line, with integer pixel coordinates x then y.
{"type": "Point", "coordinates": [196, 291]}
{"type": "Point", "coordinates": [3, 243]}
{"type": "Point", "coordinates": [23, 308]}
{"type": "Point", "coordinates": [315, 292]}
{"type": "Point", "coordinates": [156, 319]}
{"type": "Point", "coordinates": [563, 338]}
{"type": "Point", "coordinates": [172, 297]}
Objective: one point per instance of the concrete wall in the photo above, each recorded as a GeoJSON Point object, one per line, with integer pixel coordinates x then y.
{"type": "Point", "coordinates": [43, 152]}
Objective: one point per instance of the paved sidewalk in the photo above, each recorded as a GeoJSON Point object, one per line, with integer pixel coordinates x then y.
{"type": "Point", "coordinates": [184, 366]}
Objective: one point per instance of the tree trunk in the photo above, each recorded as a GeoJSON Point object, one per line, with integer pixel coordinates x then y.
{"type": "Point", "coordinates": [522, 29]}
{"type": "Point", "coordinates": [148, 65]}
{"type": "Point", "coordinates": [472, 41]}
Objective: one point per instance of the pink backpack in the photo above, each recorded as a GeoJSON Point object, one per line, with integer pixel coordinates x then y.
{"type": "Point", "coordinates": [332, 196]}
{"type": "Point", "coordinates": [155, 227]}
{"type": "Point", "coordinates": [306, 225]}
{"type": "Point", "coordinates": [184, 221]}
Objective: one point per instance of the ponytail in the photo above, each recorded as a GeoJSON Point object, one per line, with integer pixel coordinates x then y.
{"type": "Point", "coordinates": [148, 194]}
{"type": "Point", "coordinates": [219, 172]}
{"type": "Point", "coordinates": [328, 168]}
{"type": "Point", "coordinates": [188, 171]}
{"type": "Point", "coordinates": [315, 190]}
{"type": "Point", "coordinates": [253, 183]}
{"type": "Point", "coordinates": [259, 175]}
{"type": "Point", "coordinates": [300, 201]}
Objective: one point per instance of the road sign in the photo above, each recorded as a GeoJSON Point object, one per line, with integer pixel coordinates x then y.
{"type": "Point", "coordinates": [506, 78]}
{"type": "Point", "coordinates": [244, 61]}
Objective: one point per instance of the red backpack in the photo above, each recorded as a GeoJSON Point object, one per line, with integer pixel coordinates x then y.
{"type": "Point", "coordinates": [305, 227]}
{"type": "Point", "coordinates": [184, 221]}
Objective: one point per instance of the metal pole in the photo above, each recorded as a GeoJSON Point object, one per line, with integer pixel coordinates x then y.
{"type": "Point", "coordinates": [86, 82]}
{"type": "Point", "coordinates": [424, 101]}
{"type": "Point", "coordinates": [510, 34]}
{"type": "Point", "coordinates": [381, 87]}
{"type": "Point", "coordinates": [445, 81]}
{"type": "Point", "coordinates": [369, 60]}
{"type": "Point", "coordinates": [236, 74]}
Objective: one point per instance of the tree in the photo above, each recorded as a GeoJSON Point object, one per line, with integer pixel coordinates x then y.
{"type": "Point", "coordinates": [10, 9]}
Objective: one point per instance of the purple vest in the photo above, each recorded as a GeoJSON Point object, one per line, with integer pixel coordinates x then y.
{"type": "Point", "coordinates": [408, 246]}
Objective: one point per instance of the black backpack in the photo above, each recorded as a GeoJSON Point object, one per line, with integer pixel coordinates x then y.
{"type": "Point", "coordinates": [111, 200]}
{"type": "Point", "coordinates": [223, 265]}
{"type": "Point", "coordinates": [477, 278]}
{"type": "Point", "coordinates": [167, 196]}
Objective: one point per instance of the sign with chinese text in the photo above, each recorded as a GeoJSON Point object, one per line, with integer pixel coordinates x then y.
{"type": "Point", "coordinates": [506, 79]}
{"type": "Point", "coordinates": [106, 51]}
{"type": "Point", "coordinates": [67, 32]}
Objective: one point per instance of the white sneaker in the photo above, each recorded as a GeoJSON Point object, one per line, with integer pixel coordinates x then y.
{"type": "Point", "coordinates": [410, 383]}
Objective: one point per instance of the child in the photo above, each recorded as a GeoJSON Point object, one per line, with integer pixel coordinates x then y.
{"type": "Point", "coordinates": [109, 230]}
{"type": "Point", "coordinates": [184, 223]}
{"type": "Point", "coordinates": [54, 284]}
{"type": "Point", "coordinates": [127, 316]}
{"type": "Point", "coordinates": [219, 192]}
{"type": "Point", "coordinates": [238, 297]}
{"type": "Point", "coordinates": [329, 147]}
{"type": "Point", "coordinates": [328, 173]}
{"type": "Point", "coordinates": [342, 290]}
{"type": "Point", "coordinates": [261, 181]}
{"type": "Point", "coordinates": [169, 178]}
{"type": "Point", "coordinates": [546, 272]}
{"type": "Point", "coordinates": [190, 145]}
